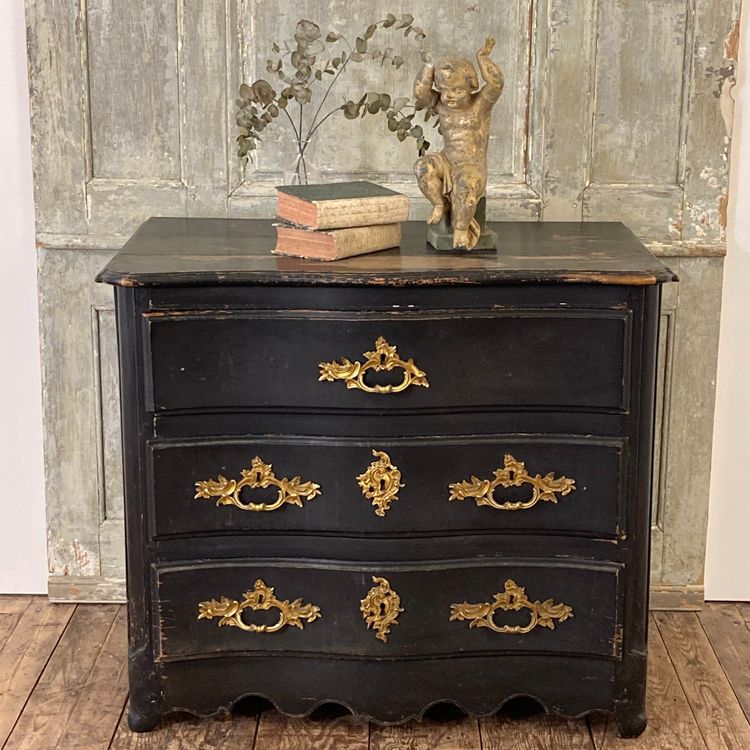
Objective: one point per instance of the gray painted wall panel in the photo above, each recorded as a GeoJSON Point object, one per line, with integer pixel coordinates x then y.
{"type": "Point", "coordinates": [134, 97]}
{"type": "Point", "coordinates": [640, 55]}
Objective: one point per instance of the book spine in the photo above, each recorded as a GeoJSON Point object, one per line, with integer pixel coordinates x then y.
{"type": "Point", "coordinates": [337, 214]}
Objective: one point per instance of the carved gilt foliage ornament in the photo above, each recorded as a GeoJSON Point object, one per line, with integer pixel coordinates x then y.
{"type": "Point", "coordinates": [381, 482]}
{"type": "Point", "coordinates": [512, 599]}
{"type": "Point", "coordinates": [260, 599]}
{"type": "Point", "coordinates": [259, 476]}
{"type": "Point", "coordinates": [384, 358]}
{"type": "Point", "coordinates": [513, 474]}
{"type": "Point", "coordinates": [381, 608]}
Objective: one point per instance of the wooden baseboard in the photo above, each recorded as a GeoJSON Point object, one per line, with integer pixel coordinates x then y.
{"type": "Point", "coordinates": [86, 589]}
{"type": "Point", "coordinates": [686, 598]}
{"type": "Point", "coordinates": [90, 589]}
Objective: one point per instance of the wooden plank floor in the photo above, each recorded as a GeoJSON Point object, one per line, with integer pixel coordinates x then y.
{"type": "Point", "coordinates": [63, 684]}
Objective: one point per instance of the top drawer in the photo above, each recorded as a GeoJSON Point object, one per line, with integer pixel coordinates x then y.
{"type": "Point", "coordinates": [438, 360]}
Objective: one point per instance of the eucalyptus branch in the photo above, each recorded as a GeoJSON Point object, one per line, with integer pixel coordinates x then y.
{"type": "Point", "coordinates": [300, 147]}
{"type": "Point", "coordinates": [341, 69]}
{"type": "Point", "coordinates": [291, 122]}
{"type": "Point", "coordinates": [296, 133]}
{"type": "Point", "coordinates": [332, 112]}
{"type": "Point", "coordinates": [259, 104]}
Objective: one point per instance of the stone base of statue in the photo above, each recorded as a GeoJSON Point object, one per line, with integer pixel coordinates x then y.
{"type": "Point", "coordinates": [440, 235]}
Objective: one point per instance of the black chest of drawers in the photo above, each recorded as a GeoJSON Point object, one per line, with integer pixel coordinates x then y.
{"type": "Point", "coordinates": [391, 481]}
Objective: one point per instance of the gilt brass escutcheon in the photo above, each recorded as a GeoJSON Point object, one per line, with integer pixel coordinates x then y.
{"type": "Point", "coordinates": [383, 359]}
{"type": "Point", "coordinates": [259, 476]}
{"type": "Point", "coordinates": [260, 599]}
{"type": "Point", "coordinates": [381, 608]}
{"type": "Point", "coordinates": [381, 482]}
{"type": "Point", "coordinates": [513, 599]}
{"type": "Point", "coordinates": [513, 474]}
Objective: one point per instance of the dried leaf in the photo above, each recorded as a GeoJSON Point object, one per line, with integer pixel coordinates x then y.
{"type": "Point", "coordinates": [400, 103]}
{"type": "Point", "coordinates": [246, 92]}
{"type": "Point", "coordinates": [360, 45]}
{"type": "Point", "coordinates": [372, 97]}
{"type": "Point", "coordinates": [318, 75]}
{"type": "Point", "coordinates": [385, 101]}
{"type": "Point", "coordinates": [401, 135]}
{"type": "Point", "coordinates": [398, 61]}
{"type": "Point", "coordinates": [273, 110]}
{"type": "Point", "coordinates": [301, 93]}
{"type": "Point", "coordinates": [416, 131]}
{"type": "Point", "coordinates": [351, 110]}
{"type": "Point", "coordinates": [370, 31]}
{"type": "Point", "coordinates": [275, 48]}
{"type": "Point", "coordinates": [333, 36]}
{"type": "Point", "coordinates": [390, 19]}
{"type": "Point", "coordinates": [373, 108]}
{"type": "Point", "coordinates": [356, 57]}
{"type": "Point", "coordinates": [306, 32]}
{"type": "Point", "coordinates": [407, 19]}
{"type": "Point", "coordinates": [263, 91]}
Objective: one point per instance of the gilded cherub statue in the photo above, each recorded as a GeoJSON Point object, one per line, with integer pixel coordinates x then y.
{"type": "Point", "coordinates": [455, 179]}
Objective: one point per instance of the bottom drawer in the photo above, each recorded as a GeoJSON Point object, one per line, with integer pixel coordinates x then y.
{"type": "Point", "coordinates": [399, 610]}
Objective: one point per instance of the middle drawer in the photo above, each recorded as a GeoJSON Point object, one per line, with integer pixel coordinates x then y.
{"type": "Point", "coordinates": [437, 485]}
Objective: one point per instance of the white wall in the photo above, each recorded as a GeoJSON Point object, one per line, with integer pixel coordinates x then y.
{"type": "Point", "coordinates": [728, 553]}
{"type": "Point", "coordinates": [23, 554]}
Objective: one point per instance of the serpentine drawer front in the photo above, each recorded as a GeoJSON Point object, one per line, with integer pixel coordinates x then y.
{"type": "Point", "coordinates": [316, 608]}
{"type": "Point", "coordinates": [388, 481]}
{"type": "Point", "coordinates": [324, 360]}
{"type": "Point", "coordinates": [507, 482]}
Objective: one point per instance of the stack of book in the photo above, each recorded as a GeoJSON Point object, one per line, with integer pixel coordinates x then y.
{"type": "Point", "coordinates": [329, 222]}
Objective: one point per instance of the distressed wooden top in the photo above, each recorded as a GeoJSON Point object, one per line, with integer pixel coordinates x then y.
{"type": "Point", "coordinates": [188, 252]}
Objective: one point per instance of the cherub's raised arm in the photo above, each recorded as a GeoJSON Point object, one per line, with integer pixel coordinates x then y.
{"type": "Point", "coordinates": [424, 91]}
{"type": "Point", "coordinates": [491, 73]}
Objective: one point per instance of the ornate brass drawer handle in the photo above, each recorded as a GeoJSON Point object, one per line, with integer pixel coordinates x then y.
{"type": "Point", "coordinates": [259, 476]}
{"type": "Point", "coordinates": [381, 482]}
{"type": "Point", "coordinates": [384, 358]}
{"type": "Point", "coordinates": [260, 599]}
{"type": "Point", "coordinates": [513, 599]}
{"type": "Point", "coordinates": [513, 474]}
{"type": "Point", "coordinates": [381, 608]}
